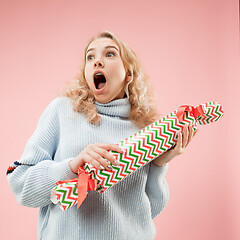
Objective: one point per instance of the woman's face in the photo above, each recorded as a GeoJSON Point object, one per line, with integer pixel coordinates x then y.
{"type": "Point", "coordinates": [103, 57]}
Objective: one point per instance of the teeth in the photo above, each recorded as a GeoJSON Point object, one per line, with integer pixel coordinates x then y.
{"type": "Point", "coordinates": [99, 73]}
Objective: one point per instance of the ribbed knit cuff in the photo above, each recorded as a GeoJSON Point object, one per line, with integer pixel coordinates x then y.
{"type": "Point", "coordinates": [155, 170]}
{"type": "Point", "coordinates": [61, 171]}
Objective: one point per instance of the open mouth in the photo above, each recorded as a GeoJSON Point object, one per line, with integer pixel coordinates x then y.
{"type": "Point", "coordinates": [99, 80]}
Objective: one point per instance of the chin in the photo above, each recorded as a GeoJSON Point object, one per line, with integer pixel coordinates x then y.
{"type": "Point", "coordinates": [103, 100]}
{"type": "Point", "coordinates": [106, 98]}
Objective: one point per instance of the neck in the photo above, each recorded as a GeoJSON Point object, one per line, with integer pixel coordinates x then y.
{"type": "Point", "coordinates": [116, 108]}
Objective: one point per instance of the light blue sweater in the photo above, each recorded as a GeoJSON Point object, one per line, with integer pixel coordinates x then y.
{"type": "Point", "coordinates": [123, 212]}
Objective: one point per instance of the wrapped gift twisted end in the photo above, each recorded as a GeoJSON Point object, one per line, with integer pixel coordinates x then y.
{"type": "Point", "coordinates": [194, 111]}
{"type": "Point", "coordinates": [71, 191]}
{"type": "Point", "coordinates": [141, 148]}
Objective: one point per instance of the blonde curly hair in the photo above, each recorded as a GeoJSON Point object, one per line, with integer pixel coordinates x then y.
{"type": "Point", "coordinates": [143, 107]}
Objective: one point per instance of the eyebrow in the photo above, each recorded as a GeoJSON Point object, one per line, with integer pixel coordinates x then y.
{"type": "Point", "coordinates": [105, 48]}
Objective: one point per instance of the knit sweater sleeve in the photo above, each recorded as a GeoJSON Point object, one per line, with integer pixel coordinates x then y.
{"type": "Point", "coordinates": [33, 176]}
{"type": "Point", "coordinates": [157, 188]}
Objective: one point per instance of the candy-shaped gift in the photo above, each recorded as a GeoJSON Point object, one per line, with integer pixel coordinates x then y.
{"type": "Point", "coordinates": [140, 149]}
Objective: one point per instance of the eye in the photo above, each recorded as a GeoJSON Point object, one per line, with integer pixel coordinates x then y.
{"type": "Point", "coordinates": [89, 56]}
{"type": "Point", "coordinates": [109, 53]}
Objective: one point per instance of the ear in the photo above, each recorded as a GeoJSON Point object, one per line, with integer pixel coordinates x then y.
{"type": "Point", "coordinates": [129, 78]}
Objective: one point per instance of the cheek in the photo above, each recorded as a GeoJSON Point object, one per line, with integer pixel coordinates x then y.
{"type": "Point", "coordinates": [87, 74]}
{"type": "Point", "coordinates": [119, 69]}
{"type": "Point", "coordinates": [86, 70]}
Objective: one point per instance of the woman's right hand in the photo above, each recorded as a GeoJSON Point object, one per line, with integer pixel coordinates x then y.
{"type": "Point", "coordinates": [93, 154]}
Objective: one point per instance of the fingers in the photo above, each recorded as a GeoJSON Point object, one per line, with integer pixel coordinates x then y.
{"type": "Point", "coordinates": [195, 132]}
{"type": "Point", "coordinates": [91, 160]}
{"type": "Point", "coordinates": [97, 155]}
{"type": "Point", "coordinates": [100, 157]}
{"type": "Point", "coordinates": [185, 136]}
{"type": "Point", "coordinates": [188, 134]}
{"type": "Point", "coordinates": [111, 147]}
{"type": "Point", "coordinates": [178, 145]}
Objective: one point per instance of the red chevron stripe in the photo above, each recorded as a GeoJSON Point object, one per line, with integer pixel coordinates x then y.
{"type": "Point", "coordinates": [121, 173]}
{"type": "Point", "coordinates": [135, 151]}
{"type": "Point", "coordinates": [150, 147]}
{"type": "Point", "coordinates": [186, 120]}
{"type": "Point", "coordinates": [112, 178]}
{"type": "Point", "coordinates": [160, 130]}
{"type": "Point", "coordinates": [115, 155]}
{"type": "Point", "coordinates": [122, 165]}
{"type": "Point", "coordinates": [102, 178]}
{"type": "Point", "coordinates": [58, 196]}
{"type": "Point", "coordinates": [156, 143]}
{"type": "Point", "coordinates": [204, 117]}
{"type": "Point", "coordinates": [213, 109]}
{"type": "Point", "coordinates": [162, 134]}
{"type": "Point", "coordinates": [164, 138]}
{"type": "Point", "coordinates": [175, 122]}
{"type": "Point", "coordinates": [143, 141]}
{"type": "Point", "coordinates": [135, 148]}
{"type": "Point", "coordinates": [220, 109]}
{"type": "Point", "coordinates": [102, 190]}
{"type": "Point", "coordinates": [127, 158]}
{"type": "Point", "coordinates": [98, 177]}
{"type": "Point", "coordinates": [70, 192]}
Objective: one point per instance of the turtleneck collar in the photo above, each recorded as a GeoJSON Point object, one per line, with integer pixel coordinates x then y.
{"type": "Point", "coordinates": [115, 108]}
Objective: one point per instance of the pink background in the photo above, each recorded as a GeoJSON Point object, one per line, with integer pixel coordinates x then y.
{"type": "Point", "coordinates": [189, 49]}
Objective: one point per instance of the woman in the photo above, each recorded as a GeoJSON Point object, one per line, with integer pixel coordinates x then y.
{"type": "Point", "coordinates": [109, 101]}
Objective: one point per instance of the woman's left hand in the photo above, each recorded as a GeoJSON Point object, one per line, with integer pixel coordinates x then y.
{"type": "Point", "coordinates": [184, 138]}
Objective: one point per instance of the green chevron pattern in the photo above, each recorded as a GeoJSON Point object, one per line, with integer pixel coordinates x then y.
{"type": "Point", "coordinates": [141, 148]}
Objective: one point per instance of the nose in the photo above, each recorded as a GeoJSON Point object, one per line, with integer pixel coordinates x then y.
{"type": "Point", "coordinates": [98, 64]}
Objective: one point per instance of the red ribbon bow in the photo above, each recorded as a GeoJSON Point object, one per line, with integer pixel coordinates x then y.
{"type": "Point", "coordinates": [194, 111]}
{"type": "Point", "coordinates": [84, 184]}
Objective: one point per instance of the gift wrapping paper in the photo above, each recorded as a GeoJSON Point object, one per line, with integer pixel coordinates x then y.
{"type": "Point", "coordinates": [140, 149]}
